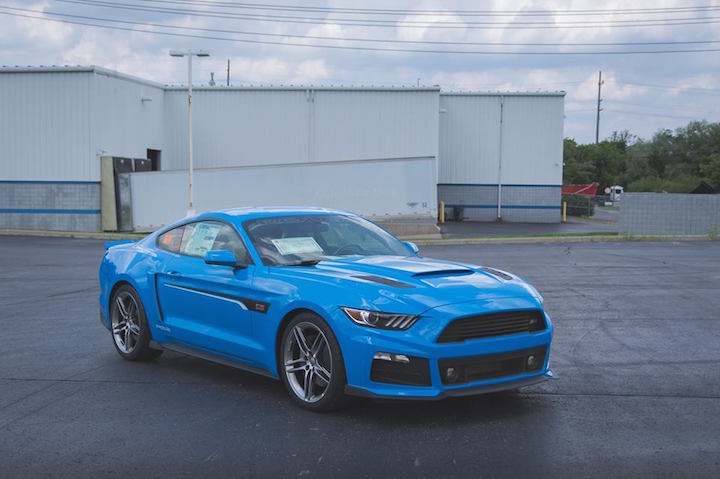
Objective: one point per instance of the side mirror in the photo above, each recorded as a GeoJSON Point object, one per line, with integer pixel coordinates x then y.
{"type": "Point", "coordinates": [223, 257]}
{"type": "Point", "coordinates": [411, 246]}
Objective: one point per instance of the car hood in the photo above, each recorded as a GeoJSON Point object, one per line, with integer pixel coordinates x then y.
{"type": "Point", "coordinates": [416, 283]}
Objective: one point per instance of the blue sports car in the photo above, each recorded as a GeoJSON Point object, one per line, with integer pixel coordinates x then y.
{"type": "Point", "coordinates": [327, 302]}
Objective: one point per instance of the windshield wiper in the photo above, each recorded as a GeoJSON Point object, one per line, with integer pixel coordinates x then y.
{"type": "Point", "coordinates": [307, 262]}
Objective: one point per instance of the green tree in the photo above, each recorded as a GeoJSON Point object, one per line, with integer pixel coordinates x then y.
{"type": "Point", "coordinates": [576, 167]}
{"type": "Point", "coordinates": [711, 170]}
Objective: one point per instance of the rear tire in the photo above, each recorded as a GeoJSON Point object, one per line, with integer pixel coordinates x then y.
{"type": "Point", "coordinates": [310, 364]}
{"type": "Point", "coordinates": [129, 327]}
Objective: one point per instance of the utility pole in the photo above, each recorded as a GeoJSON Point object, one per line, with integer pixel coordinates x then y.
{"type": "Point", "coordinates": [597, 121]}
{"type": "Point", "coordinates": [228, 73]}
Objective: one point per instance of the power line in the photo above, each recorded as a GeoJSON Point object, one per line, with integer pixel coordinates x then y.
{"type": "Point", "coordinates": [369, 40]}
{"type": "Point", "coordinates": [420, 12]}
{"type": "Point", "coordinates": [659, 115]}
{"type": "Point", "coordinates": [670, 87]}
{"type": "Point", "coordinates": [357, 48]}
{"type": "Point", "coordinates": [400, 23]}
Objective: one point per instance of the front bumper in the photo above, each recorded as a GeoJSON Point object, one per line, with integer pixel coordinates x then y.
{"type": "Point", "coordinates": [360, 344]}
{"type": "Point", "coordinates": [459, 392]}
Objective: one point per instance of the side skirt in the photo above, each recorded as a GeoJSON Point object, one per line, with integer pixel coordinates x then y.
{"type": "Point", "coordinates": [212, 358]}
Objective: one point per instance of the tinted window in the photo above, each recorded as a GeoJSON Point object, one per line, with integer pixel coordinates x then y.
{"type": "Point", "coordinates": [203, 236]}
{"type": "Point", "coordinates": [291, 239]}
{"type": "Point", "coordinates": [170, 241]}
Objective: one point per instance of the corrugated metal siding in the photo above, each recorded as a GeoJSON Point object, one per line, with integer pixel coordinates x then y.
{"type": "Point", "coordinates": [121, 123]}
{"type": "Point", "coordinates": [469, 139]}
{"type": "Point", "coordinates": [237, 128]}
{"type": "Point", "coordinates": [44, 126]}
{"type": "Point", "coordinates": [266, 127]}
{"type": "Point", "coordinates": [351, 125]}
{"type": "Point", "coordinates": [532, 140]}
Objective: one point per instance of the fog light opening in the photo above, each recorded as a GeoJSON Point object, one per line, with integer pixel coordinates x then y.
{"type": "Point", "coordinates": [451, 375]}
{"type": "Point", "coordinates": [532, 362]}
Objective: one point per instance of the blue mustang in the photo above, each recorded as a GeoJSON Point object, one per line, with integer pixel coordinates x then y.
{"type": "Point", "coordinates": [326, 301]}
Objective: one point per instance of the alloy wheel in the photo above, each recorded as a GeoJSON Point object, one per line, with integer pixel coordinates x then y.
{"type": "Point", "coordinates": [126, 322]}
{"type": "Point", "coordinates": [307, 361]}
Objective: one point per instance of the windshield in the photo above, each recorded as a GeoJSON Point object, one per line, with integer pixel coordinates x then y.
{"type": "Point", "coordinates": [292, 240]}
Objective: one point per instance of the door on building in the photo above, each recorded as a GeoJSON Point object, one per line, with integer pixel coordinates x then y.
{"type": "Point", "coordinates": [154, 157]}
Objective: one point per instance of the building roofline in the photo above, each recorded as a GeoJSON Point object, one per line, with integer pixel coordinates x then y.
{"type": "Point", "coordinates": [124, 76]}
{"type": "Point", "coordinates": [300, 88]}
{"type": "Point", "coordinates": [78, 69]}
{"type": "Point", "coordinates": [559, 93]}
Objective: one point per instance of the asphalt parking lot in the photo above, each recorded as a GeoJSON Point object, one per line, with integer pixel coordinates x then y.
{"type": "Point", "coordinates": [636, 355]}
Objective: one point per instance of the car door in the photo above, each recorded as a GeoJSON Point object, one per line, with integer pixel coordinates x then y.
{"type": "Point", "coordinates": [208, 307]}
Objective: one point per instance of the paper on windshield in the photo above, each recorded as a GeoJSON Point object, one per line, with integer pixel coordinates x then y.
{"type": "Point", "coordinates": [297, 245]}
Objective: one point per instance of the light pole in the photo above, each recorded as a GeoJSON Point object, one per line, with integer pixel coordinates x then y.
{"type": "Point", "coordinates": [190, 54]}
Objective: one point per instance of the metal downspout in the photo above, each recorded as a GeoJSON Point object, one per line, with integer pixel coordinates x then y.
{"type": "Point", "coordinates": [500, 159]}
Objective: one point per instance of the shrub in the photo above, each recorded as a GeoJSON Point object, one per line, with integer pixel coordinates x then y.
{"type": "Point", "coordinates": [680, 184]}
{"type": "Point", "coordinates": [578, 205]}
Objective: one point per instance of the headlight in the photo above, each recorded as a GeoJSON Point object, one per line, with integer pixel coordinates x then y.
{"type": "Point", "coordinates": [375, 319]}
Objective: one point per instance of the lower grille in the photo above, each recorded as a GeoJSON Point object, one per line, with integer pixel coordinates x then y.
{"type": "Point", "coordinates": [414, 373]}
{"type": "Point", "coordinates": [494, 324]}
{"type": "Point", "coordinates": [493, 366]}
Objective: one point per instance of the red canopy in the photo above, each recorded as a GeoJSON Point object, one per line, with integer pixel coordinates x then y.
{"type": "Point", "coordinates": [582, 190]}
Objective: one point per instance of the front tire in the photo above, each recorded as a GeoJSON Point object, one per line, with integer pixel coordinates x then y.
{"type": "Point", "coordinates": [310, 364]}
{"type": "Point", "coordinates": [129, 327]}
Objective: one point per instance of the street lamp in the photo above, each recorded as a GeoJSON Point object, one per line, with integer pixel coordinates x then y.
{"type": "Point", "coordinates": [190, 54]}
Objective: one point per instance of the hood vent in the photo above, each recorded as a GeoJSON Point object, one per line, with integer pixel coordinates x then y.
{"type": "Point", "coordinates": [497, 273]}
{"type": "Point", "coordinates": [385, 281]}
{"type": "Point", "coordinates": [443, 272]}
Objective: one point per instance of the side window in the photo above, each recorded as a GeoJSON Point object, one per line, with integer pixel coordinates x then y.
{"type": "Point", "coordinates": [228, 238]}
{"type": "Point", "coordinates": [204, 236]}
{"type": "Point", "coordinates": [170, 240]}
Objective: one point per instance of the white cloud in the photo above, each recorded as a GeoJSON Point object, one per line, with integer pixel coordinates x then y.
{"type": "Point", "coordinates": [26, 41]}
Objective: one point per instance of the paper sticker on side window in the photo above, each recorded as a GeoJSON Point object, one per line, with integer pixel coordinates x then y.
{"type": "Point", "coordinates": [202, 238]}
{"type": "Point", "coordinates": [298, 245]}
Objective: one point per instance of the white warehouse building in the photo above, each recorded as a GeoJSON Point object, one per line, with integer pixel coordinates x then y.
{"type": "Point", "coordinates": [501, 156]}
{"type": "Point", "coordinates": [90, 149]}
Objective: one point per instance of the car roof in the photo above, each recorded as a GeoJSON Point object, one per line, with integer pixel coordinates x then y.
{"type": "Point", "coordinates": [252, 212]}
{"type": "Point", "coordinates": [238, 215]}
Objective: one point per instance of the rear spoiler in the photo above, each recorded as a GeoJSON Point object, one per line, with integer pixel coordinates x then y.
{"type": "Point", "coordinates": [110, 244]}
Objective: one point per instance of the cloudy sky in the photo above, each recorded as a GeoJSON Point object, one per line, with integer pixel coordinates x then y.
{"type": "Point", "coordinates": [641, 93]}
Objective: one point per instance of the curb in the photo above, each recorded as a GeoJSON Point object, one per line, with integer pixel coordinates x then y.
{"type": "Point", "coordinates": [556, 239]}
{"type": "Point", "coordinates": [73, 234]}
{"type": "Point", "coordinates": [419, 240]}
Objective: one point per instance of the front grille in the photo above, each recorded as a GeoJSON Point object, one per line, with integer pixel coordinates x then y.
{"type": "Point", "coordinates": [478, 368]}
{"type": "Point", "coordinates": [414, 373]}
{"type": "Point", "coordinates": [494, 324]}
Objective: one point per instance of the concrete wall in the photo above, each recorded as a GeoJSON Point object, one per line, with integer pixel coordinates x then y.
{"type": "Point", "coordinates": [50, 205]}
{"type": "Point", "coordinates": [376, 189]}
{"type": "Point", "coordinates": [668, 214]}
